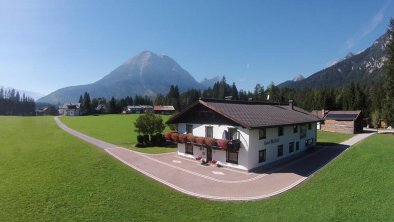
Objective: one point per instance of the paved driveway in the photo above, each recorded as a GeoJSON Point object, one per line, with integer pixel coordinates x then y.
{"type": "Point", "coordinates": [211, 182]}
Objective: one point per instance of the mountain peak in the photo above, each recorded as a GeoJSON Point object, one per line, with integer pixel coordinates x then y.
{"type": "Point", "coordinates": [145, 74]}
{"type": "Point", "coordinates": [298, 77]}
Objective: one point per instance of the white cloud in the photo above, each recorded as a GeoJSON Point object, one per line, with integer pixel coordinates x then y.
{"type": "Point", "coordinates": [368, 28]}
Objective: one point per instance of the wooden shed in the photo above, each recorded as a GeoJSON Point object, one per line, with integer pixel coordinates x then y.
{"type": "Point", "coordinates": [343, 122]}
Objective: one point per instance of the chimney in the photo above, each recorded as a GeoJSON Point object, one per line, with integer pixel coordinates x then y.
{"type": "Point", "coordinates": [291, 104]}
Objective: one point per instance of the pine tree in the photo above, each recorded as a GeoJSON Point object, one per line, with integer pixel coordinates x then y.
{"type": "Point", "coordinates": [388, 102]}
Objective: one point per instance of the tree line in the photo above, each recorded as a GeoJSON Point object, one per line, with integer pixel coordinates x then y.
{"type": "Point", "coordinates": [13, 103]}
{"type": "Point", "coordinates": [100, 105]}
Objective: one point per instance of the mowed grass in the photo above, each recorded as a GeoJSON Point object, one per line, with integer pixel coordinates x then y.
{"type": "Point", "coordinates": [48, 175]}
{"type": "Point", "coordinates": [330, 138]}
{"type": "Point", "coordinates": [116, 129]}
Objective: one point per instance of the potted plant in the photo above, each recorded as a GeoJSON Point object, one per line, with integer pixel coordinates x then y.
{"type": "Point", "coordinates": [199, 140]}
{"type": "Point", "coordinates": [199, 158]}
{"type": "Point", "coordinates": [222, 143]}
{"type": "Point", "coordinates": [190, 138]}
{"type": "Point", "coordinates": [210, 141]}
{"type": "Point", "coordinates": [213, 161]}
{"type": "Point", "coordinates": [182, 138]}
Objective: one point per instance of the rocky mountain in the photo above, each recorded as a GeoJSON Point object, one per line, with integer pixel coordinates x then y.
{"type": "Point", "coordinates": [365, 67]}
{"type": "Point", "coordinates": [145, 74]}
{"type": "Point", "coordinates": [210, 82]}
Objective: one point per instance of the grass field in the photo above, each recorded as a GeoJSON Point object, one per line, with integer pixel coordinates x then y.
{"type": "Point", "coordinates": [116, 129]}
{"type": "Point", "coordinates": [331, 138]}
{"type": "Point", "coordinates": [48, 175]}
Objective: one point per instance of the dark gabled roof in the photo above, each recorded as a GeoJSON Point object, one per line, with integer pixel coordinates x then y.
{"type": "Point", "coordinates": [343, 115]}
{"type": "Point", "coordinates": [253, 114]}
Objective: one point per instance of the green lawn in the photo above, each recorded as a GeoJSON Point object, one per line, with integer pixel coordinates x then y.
{"type": "Point", "coordinates": [116, 129]}
{"type": "Point", "coordinates": [49, 175]}
{"type": "Point", "coordinates": [331, 138]}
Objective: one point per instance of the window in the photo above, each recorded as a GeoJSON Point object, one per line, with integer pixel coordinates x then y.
{"type": "Point", "coordinates": [280, 131]}
{"type": "Point", "coordinates": [189, 148]}
{"type": "Point", "coordinates": [291, 147]}
{"type": "Point", "coordinates": [209, 131]}
{"type": "Point", "coordinates": [280, 150]}
{"type": "Point", "coordinates": [232, 133]}
{"type": "Point", "coordinates": [297, 145]}
{"type": "Point", "coordinates": [232, 157]}
{"type": "Point", "coordinates": [262, 155]}
{"type": "Point", "coordinates": [262, 134]}
{"type": "Point", "coordinates": [309, 126]}
{"type": "Point", "coordinates": [189, 128]}
{"type": "Point", "coordinates": [295, 129]}
{"type": "Point", "coordinates": [303, 132]}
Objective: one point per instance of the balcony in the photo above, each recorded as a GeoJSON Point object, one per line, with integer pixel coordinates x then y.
{"type": "Point", "coordinates": [219, 144]}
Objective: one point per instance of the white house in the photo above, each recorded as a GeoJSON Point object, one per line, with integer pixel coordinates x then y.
{"type": "Point", "coordinates": [248, 134]}
{"type": "Point", "coordinates": [70, 109]}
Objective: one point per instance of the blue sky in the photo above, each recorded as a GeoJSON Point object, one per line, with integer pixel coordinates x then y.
{"type": "Point", "coordinates": [47, 45]}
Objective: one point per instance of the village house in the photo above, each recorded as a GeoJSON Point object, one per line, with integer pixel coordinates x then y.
{"type": "Point", "coordinates": [343, 122]}
{"type": "Point", "coordinates": [164, 110]}
{"type": "Point", "coordinates": [243, 135]}
{"type": "Point", "coordinates": [70, 109]}
{"type": "Point", "coordinates": [139, 109]}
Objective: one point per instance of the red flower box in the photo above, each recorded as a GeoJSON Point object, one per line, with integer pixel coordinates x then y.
{"type": "Point", "coordinates": [174, 137]}
{"type": "Point", "coordinates": [210, 141]}
{"type": "Point", "coordinates": [182, 138]}
{"type": "Point", "coordinates": [190, 138]}
{"type": "Point", "coordinates": [199, 140]}
{"type": "Point", "coordinates": [213, 161]}
{"type": "Point", "coordinates": [167, 135]}
{"type": "Point", "coordinates": [198, 158]}
{"type": "Point", "coordinates": [222, 143]}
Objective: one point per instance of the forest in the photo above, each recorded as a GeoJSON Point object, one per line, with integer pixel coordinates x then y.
{"type": "Point", "coordinates": [12, 103]}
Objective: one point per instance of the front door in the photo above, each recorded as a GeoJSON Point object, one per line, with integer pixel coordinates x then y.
{"type": "Point", "coordinates": [209, 154]}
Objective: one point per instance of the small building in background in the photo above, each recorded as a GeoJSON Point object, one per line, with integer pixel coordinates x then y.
{"type": "Point", "coordinates": [70, 109]}
{"type": "Point", "coordinates": [343, 122]}
{"type": "Point", "coordinates": [164, 110]}
{"type": "Point", "coordinates": [139, 109]}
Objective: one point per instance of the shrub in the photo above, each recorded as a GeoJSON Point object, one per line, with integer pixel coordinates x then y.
{"type": "Point", "coordinates": [140, 139]}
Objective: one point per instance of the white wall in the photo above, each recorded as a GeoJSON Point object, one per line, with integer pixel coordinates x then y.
{"type": "Point", "coordinates": [272, 148]}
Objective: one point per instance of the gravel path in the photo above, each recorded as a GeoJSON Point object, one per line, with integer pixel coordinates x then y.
{"type": "Point", "coordinates": [211, 182]}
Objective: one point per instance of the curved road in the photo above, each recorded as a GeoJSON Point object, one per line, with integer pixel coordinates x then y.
{"type": "Point", "coordinates": [190, 177]}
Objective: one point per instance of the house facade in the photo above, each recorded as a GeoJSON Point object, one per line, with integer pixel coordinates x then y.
{"type": "Point", "coordinates": [70, 109]}
{"type": "Point", "coordinates": [246, 135]}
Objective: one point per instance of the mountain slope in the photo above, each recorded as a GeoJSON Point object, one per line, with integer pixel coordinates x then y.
{"type": "Point", "coordinates": [145, 74]}
{"type": "Point", "coordinates": [365, 67]}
